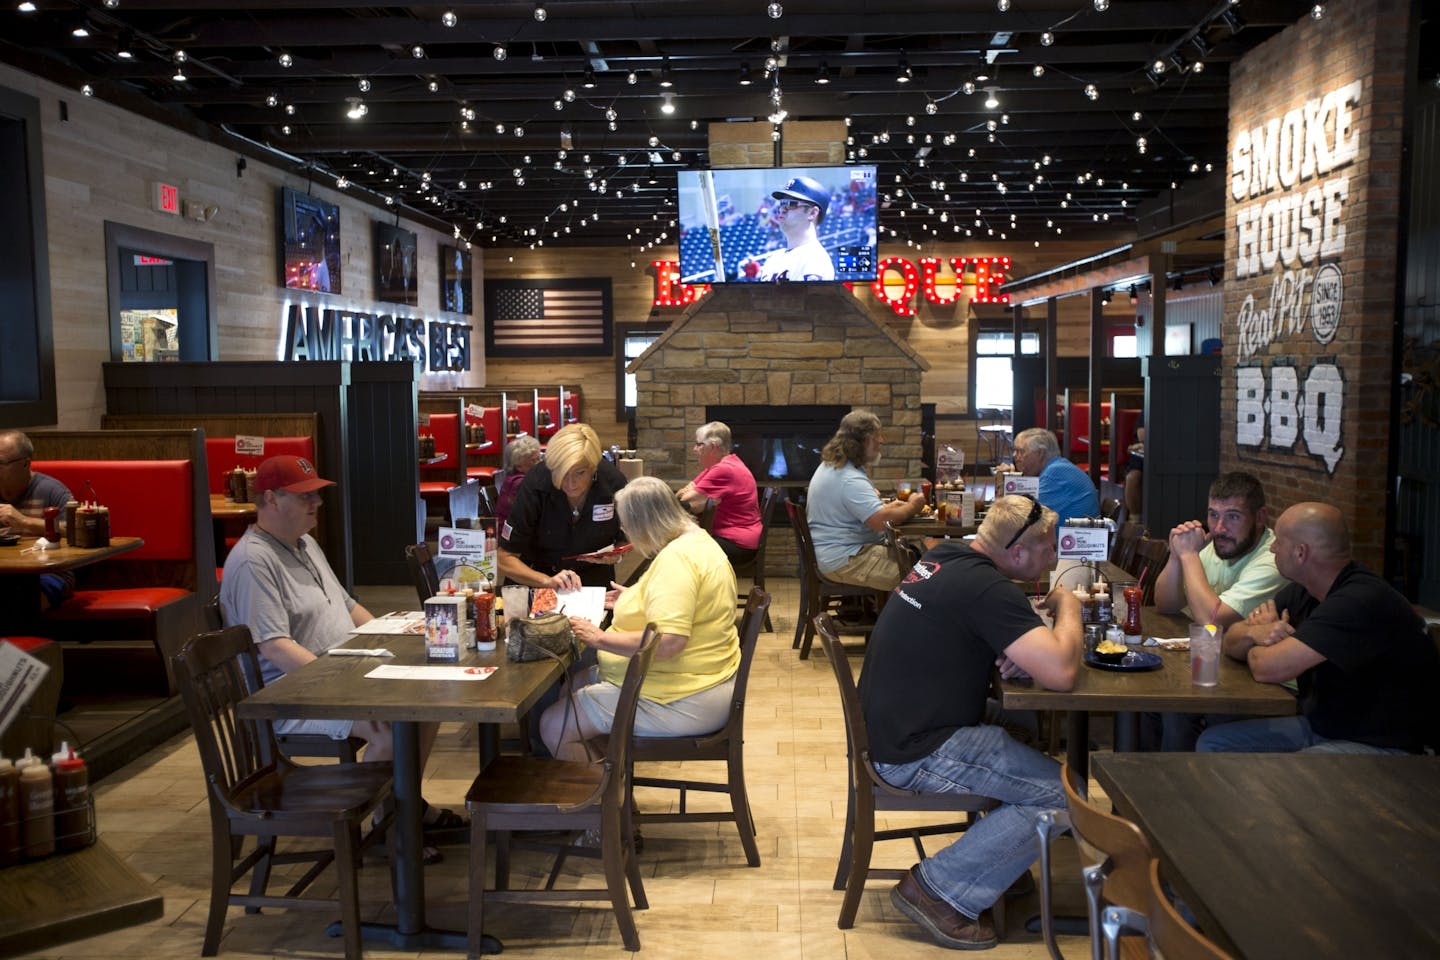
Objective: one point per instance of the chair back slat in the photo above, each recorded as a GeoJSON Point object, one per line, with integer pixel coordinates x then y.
{"type": "Point", "coordinates": [1103, 836]}
{"type": "Point", "coordinates": [212, 670]}
{"type": "Point", "coordinates": [857, 738]}
{"type": "Point", "coordinates": [750, 623]}
{"type": "Point", "coordinates": [1170, 935]}
{"type": "Point", "coordinates": [614, 787]}
{"type": "Point", "coordinates": [804, 543]}
{"type": "Point", "coordinates": [1150, 558]}
{"type": "Point", "coordinates": [706, 519]}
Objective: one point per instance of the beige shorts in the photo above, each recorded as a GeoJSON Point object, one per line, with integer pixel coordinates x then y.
{"type": "Point", "coordinates": [872, 567]}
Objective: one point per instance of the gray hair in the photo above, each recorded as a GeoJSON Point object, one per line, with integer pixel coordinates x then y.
{"type": "Point", "coordinates": [848, 444]}
{"type": "Point", "coordinates": [519, 450]}
{"type": "Point", "coordinates": [651, 515]}
{"type": "Point", "coordinates": [715, 432]}
{"type": "Point", "coordinates": [1038, 438]}
{"type": "Point", "coordinates": [19, 441]}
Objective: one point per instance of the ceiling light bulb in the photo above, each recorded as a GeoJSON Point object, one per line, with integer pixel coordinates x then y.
{"type": "Point", "coordinates": [87, 90]}
{"type": "Point", "coordinates": [1092, 91]}
{"type": "Point", "coordinates": [286, 60]}
{"type": "Point", "coordinates": [25, 6]}
{"type": "Point", "coordinates": [541, 14]}
{"type": "Point", "coordinates": [589, 83]}
{"type": "Point", "coordinates": [418, 52]}
{"type": "Point", "coordinates": [1002, 5]}
{"type": "Point", "coordinates": [500, 53]}
{"type": "Point", "coordinates": [286, 130]}
{"type": "Point", "coordinates": [1102, 5]}
{"type": "Point", "coordinates": [1047, 38]}
{"type": "Point", "coordinates": [568, 96]}
{"type": "Point", "coordinates": [449, 19]}
{"type": "Point", "coordinates": [1317, 12]}
{"type": "Point", "coordinates": [81, 30]}
{"type": "Point", "coordinates": [668, 106]}
{"type": "Point", "coordinates": [991, 102]}
{"type": "Point", "coordinates": [775, 10]}
{"type": "Point", "coordinates": [433, 86]}
{"type": "Point", "coordinates": [932, 108]}
{"type": "Point", "coordinates": [1158, 66]}
{"type": "Point", "coordinates": [289, 109]}
{"type": "Point", "coordinates": [357, 108]}
{"type": "Point", "coordinates": [610, 113]}
{"type": "Point", "coordinates": [272, 100]}
{"type": "Point", "coordinates": [364, 85]}
{"type": "Point", "coordinates": [968, 86]}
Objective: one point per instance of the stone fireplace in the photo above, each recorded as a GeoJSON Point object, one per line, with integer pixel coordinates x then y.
{"type": "Point", "coordinates": [799, 356]}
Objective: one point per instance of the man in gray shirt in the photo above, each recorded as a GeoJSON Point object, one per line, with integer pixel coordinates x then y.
{"type": "Point", "coordinates": [278, 583]}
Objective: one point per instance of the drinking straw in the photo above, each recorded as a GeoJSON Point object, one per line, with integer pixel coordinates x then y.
{"type": "Point", "coordinates": [1143, 571]}
{"type": "Point", "coordinates": [1214, 613]}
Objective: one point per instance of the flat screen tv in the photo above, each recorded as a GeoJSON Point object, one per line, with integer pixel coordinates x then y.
{"type": "Point", "coordinates": [455, 280]}
{"type": "Point", "coordinates": [395, 265]}
{"type": "Point", "coordinates": [813, 224]}
{"type": "Point", "coordinates": [309, 242]}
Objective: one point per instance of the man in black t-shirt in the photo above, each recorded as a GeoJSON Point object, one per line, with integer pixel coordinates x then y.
{"type": "Point", "coordinates": [955, 617]}
{"type": "Point", "coordinates": [1365, 668]}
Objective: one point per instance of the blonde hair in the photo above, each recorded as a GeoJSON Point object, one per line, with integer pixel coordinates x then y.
{"type": "Point", "coordinates": [1005, 518]}
{"type": "Point", "coordinates": [571, 447]}
{"type": "Point", "coordinates": [651, 515]}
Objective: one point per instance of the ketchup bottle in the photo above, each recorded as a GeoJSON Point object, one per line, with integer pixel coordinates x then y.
{"type": "Point", "coordinates": [1133, 598]}
{"type": "Point", "coordinates": [72, 799]}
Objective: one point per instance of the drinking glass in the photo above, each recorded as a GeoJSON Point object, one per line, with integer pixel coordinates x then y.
{"type": "Point", "coordinates": [1204, 654]}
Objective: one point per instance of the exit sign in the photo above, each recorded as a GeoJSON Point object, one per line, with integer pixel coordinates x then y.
{"type": "Point", "coordinates": [166, 198]}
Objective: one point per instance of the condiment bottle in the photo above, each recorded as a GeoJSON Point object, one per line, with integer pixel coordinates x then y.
{"type": "Point", "coordinates": [1133, 597]}
{"type": "Point", "coordinates": [72, 799]}
{"type": "Point", "coordinates": [9, 813]}
{"type": "Point", "coordinates": [484, 618]}
{"type": "Point", "coordinates": [70, 507]}
{"type": "Point", "coordinates": [37, 807]}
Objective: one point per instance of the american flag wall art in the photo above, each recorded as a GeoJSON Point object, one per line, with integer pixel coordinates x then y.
{"type": "Point", "coordinates": [548, 318]}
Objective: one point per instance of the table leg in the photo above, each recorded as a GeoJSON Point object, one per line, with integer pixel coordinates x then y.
{"type": "Point", "coordinates": [410, 930]}
{"type": "Point", "coordinates": [1127, 731]}
{"type": "Point", "coordinates": [1077, 743]}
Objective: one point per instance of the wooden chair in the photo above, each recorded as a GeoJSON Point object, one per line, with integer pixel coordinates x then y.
{"type": "Point", "coordinates": [1150, 558]}
{"type": "Point", "coordinates": [1122, 551]}
{"type": "Point", "coordinates": [1113, 508]}
{"type": "Point", "coordinates": [726, 744]}
{"type": "Point", "coordinates": [255, 791]}
{"type": "Point", "coordinates": [1170, 935]}
{"type": "Point", "coordinates": [755, 568]}
{"type": "Point", "coordinates": [295, 744]}
{"type": "Point", "coordinates": [706, 520]}
{"type": "Point", "coordinates": [422, 571]}
{"type": "Point", "coordinates": [1114, 860]}
{"type": "Point", "coordinates": [527, 793]}
{"type": "Point", "coordinates": [867, 792]}
{"type": "Point", "coordinates": [817, 594]}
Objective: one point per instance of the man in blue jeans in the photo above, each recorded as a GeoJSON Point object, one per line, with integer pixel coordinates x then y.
{"type": "Point", "coordinates": [954, 617]}
{"type": "Point", "coordinates": [1366, 670]}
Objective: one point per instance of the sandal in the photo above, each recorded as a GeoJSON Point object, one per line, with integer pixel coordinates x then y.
{"type": "Point", "coordinates": [430, 856]}
{"type": "Point", "coordinates": [445, 820]}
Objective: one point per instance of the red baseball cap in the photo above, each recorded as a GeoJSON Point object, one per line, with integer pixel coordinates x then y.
{"type": "Point", "coordinates": [289, 473]}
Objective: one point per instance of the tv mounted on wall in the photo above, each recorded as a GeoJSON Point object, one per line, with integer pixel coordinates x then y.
{"type": "Point", "coordinates": [811, 224]}
{"type": "Point", "coordinates": [309, 242]}
{"type": "Point", "coordinates": [395, 265]}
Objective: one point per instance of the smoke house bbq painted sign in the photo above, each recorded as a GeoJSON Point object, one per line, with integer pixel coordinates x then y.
{"type": "Point", "coordinates": [1290, 186]}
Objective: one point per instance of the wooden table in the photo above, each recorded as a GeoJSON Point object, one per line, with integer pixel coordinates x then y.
{"type": "Point", "coordinates": [69, 896]}
{"type": "Point", "coordinates": [222, 508]}
{"type": "Point", "coordinates": [21, 568]}
{"type": "Point", "coordinates": [1166, 690]}
{"type": "Point", "coordinates": [431, 461]}
{"type": "Point", "coordinates": [335, 688]}
{"type": "Point", "coordinates": [1293, 856]}
{"type": "Point", "coordinates": [932, 527]}
{"type": "Point", "coordinates": [479, 447]}
{"type": "Point", "coordinates": [16, 559]}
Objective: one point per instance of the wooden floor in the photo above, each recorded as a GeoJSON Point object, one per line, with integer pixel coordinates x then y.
{"type": "Point", "coordinates": [705, 904]}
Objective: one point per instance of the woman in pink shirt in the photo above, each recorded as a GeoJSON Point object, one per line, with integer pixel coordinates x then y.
{"type": "Point", "coordinates": [724, 478]}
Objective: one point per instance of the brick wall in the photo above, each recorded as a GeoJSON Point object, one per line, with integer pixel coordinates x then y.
{"type": "Point", "coordinates": [1310, 261]}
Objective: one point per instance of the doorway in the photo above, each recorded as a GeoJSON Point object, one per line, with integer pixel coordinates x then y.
{"type": "Point", "coordinates": [161, 296]}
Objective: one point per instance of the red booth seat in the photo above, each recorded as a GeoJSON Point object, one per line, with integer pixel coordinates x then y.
{"type": "Point", "coordinates": [221, 458]}
{"type": "Point", "coordinates": [437, 479]}
{"type": "Point", "coordinates": [146, 595]}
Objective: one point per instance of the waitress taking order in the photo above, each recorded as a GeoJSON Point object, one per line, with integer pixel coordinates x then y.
{"type": "Point", "coordinates": [565, 507]}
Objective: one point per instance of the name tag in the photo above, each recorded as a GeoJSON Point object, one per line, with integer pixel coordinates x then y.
{"type": "Point", "coordinates": [506, 531]}
{"type": "Point", "coordinates": [603, 512]}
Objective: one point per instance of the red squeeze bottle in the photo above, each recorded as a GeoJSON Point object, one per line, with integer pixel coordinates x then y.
{"type": "Point", "coordinates": [1133, 597]}
{"type": "Point", "coordinates": [72, 799]}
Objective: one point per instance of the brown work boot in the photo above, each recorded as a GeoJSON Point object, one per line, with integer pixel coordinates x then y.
{"type": "Point", "coordinates": [948, 926]}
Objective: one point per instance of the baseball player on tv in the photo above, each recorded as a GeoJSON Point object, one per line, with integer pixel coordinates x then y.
{"type": "Point", "coordinates": [801, 208]}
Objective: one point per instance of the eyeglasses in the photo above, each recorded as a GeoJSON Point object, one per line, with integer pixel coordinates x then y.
{"type": "Point", "coordinates": [1030, 521]}
{"type": "Point", "coordinates": [788, 204]}
{"type": "Point", "coordinates": [14, 460]}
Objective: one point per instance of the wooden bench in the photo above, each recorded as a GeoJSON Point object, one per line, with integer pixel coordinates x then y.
{"type": "Point", "coordinates": [154, 484]}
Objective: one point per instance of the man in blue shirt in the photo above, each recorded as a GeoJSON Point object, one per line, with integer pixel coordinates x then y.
{"type": "Point", "coordinates": [1064, 487]}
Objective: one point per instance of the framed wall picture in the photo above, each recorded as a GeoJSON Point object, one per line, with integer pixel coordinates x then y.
{"type": "Point", "coordinates": [309, 242]}
{"type": "Point", "coordinates": [455, 294]}
{"type": "Point", "coordinates": [548, 318]}
{"type": "Point", "coordinates": [396, 265]}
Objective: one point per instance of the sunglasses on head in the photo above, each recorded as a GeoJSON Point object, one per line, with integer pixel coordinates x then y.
{"type": "Point", "coordinates": [1030, 521]}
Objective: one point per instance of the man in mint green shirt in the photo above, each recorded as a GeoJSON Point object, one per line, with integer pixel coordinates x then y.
{"type": "Point", "coordinates": [1215, 576]}
{"type": "Point", "coordinates": [1221, 575]}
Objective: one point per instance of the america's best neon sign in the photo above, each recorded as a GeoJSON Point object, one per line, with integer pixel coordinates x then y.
{"type": "Point", "coordinates": [985, 274]}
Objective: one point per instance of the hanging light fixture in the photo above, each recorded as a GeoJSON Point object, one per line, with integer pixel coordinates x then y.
{"type": "Point", "coordinates": [904, 74]}
{"type": "Point", "coordinates": [667, 105]}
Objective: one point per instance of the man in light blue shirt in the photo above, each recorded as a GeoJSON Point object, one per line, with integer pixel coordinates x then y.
{"type": "Point", "coordinates": [846, 516]}
{"type": "Point", "coordinates": [1064, 487]}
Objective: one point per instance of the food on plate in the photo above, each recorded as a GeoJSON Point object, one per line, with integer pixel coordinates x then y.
{"type": "Point", "coordinates": [544, 601]}
{"type": "Point", "coordinates": [1110, 646]}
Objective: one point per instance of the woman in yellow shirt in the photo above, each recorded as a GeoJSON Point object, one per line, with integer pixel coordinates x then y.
{"type": "Point", "coordinates": [689, 593]}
